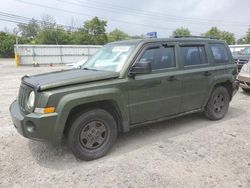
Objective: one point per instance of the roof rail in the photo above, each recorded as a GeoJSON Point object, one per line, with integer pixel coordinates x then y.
{"type": "Point", "coordinates": [183, 36]}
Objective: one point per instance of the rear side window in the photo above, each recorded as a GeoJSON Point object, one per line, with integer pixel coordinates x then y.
{"type": "Point", "coordinates": [219, 52]}
{"type": "Point", "coordinates": [193, 55]}
{"type": "Point", "coordinates": [160, 57]}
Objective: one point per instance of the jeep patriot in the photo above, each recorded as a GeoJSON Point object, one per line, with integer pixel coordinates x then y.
{"type": "Point", "coordinates": [126, 84]}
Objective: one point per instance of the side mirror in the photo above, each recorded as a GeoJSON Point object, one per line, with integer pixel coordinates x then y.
{"type": "Point", "coordinates": [142, 67]}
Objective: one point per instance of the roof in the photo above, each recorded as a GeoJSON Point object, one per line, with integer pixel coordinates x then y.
{"type": "Point", "coordinates": [195, 39]}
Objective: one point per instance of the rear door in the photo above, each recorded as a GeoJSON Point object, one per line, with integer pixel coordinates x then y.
{"type": "Point", "coordinates": [197, 72]}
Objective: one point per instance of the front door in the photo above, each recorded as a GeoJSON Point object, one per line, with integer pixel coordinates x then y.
{"type": "Point", "coordinates": [158, 94]}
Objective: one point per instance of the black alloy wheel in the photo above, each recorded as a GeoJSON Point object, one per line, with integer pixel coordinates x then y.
{"type": "Point", "coordinates": [217, 104]}
{"type": "Point", "coordinates": [92, 134]}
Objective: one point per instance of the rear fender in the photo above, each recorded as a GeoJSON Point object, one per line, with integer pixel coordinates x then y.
{"type": "Point", "coordinates": [215, 81]}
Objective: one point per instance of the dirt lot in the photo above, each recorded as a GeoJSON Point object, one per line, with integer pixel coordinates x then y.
{"type": "Point", "coordinates": [185, 152]}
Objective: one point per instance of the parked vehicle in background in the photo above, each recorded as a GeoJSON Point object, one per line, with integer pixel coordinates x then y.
{"type": "Point", "coordinates": [78, 64]}
{"type": "Point", "coordinates": [244, 77]}
{"type": "Point", "coordinates": [124, 85]}
{"type": "Point", "coordinates": [242, 57]}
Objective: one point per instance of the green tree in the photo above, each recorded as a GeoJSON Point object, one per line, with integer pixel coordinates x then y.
{"type": "Point", "coordinates": [213, 32]}
{"type": "Point", "coordinates": [223, 35]}
{"type": "Point", "coordinates": [117, 35]}
{"type": "Point", "coordinates": [29, 30]}
{"type": "Point", "coordinates": [247, 37]}
{"type": "Point", "coordinates": [96, 31]}
{"type": "Point", "coordinates": [80, 37]}
{"type": "Point", "coordinates": [47, 34]}
{"type": "Point", "coordinates": [48, 22]}
{"type": "Point", "coordinates": [7, 44]}
{"type": "Point", "coordinates": [181, 32]}
{"type": "Point", "coordinates": [228, 37]}
{"type": "Point", "coordinates": [92, 32]}
{"type": "Point", "coordinates": [50, 33]}
{"type": "Point", "coordinates": [53, 36]}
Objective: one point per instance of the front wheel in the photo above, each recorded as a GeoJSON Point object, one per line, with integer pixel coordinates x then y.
{"type": "Point", "coordinates": [92, 134]}
{"type": "Point", "coordinates": [218, 104]}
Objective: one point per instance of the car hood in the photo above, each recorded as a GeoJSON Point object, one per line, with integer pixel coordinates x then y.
{"type": "Point", "coordinates": [238, 56]}
{"type": "Point", "coordinates": [66, 77]}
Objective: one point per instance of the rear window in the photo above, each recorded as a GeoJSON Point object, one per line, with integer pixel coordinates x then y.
{"type": "Point", "coordinates": [219, 52]}
{"type": "Point", "coordinates": [193, 55]}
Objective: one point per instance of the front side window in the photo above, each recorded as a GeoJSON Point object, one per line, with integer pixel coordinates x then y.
{"type": "Point", "coordinates": [219, 52]}
{"type": "Point", "coordinates": [193, 55]}
{"type": "Point", "coordinates": [110, 58]}
{"type": "Point", "coordinates": [160, 57]}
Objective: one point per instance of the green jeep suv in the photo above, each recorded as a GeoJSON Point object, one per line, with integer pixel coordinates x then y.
{"type": "Point", "coordinates": [126, 84]}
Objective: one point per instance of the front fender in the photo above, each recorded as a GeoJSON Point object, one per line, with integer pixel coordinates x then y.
{"type": "Point", "coordinates": [70, 101]}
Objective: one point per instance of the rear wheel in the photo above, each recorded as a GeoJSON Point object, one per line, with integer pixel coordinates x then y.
{"type": "Point", "coordinates": [92, 134]}
{"type": "Point", "coordinates": [218, 104]}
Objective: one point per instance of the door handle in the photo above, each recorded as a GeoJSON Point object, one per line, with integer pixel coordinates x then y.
{"type": "Point", "coordinates": [172, 78]}
{"type": "Point", "coordinates": [207, 73]}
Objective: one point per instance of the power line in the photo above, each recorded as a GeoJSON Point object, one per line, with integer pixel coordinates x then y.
{"type": "Point", "coordinates": [25, 19]}
{"type": "Point", "coordinates": [77, 13]}
{"type": "Point", "coordinates": [24, 22]}
{"type": "Point", "coordinates": [149, 17]}
{"type": "Point", "coordinates": [12, 21]}
{"type": "Point", "coordinates": [89, 15]}
{"type": "Point", "coordinates": [153, 15]}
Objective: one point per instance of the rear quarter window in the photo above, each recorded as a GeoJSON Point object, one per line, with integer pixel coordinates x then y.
{"type": "Point", "coordinates": [219, 52]}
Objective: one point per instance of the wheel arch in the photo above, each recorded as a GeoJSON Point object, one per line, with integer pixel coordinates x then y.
{"type": "Point", "coordinates": [111, 99]}
{"type": "Point", "coordinates": [228, 84]}
{"type": "Point", "coordinates": [110, 106]}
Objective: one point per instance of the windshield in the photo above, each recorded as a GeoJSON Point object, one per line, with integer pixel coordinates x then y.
{"type": "Point", "coordinates": [110, 58]}
{"type": "Point", "coordinates": [246, 51]}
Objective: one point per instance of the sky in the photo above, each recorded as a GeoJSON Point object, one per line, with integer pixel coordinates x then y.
{"type": "Point", "coordinates": [138, 17]}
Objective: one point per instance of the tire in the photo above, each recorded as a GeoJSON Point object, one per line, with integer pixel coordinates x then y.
{"type": "Point", "coordinates": [92, 134]}
{"type": "Point", "coordinates": [218, 104]}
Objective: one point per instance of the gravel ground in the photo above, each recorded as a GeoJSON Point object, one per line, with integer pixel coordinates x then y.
{"type": "Point", "coordinates": [185, 152]}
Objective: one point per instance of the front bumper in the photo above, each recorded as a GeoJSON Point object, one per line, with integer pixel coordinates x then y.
{"type": "Point", "coordinates": [244, 80]}
{"type": "Point", "coordinates": [34, 126]}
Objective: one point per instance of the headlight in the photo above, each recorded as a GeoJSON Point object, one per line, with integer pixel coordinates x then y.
{"type": "Point", "coordinates": [31, 99]}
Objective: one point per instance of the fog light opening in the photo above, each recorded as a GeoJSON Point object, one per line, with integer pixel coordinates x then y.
{"type": "Point", "coordinates": [30, 126]}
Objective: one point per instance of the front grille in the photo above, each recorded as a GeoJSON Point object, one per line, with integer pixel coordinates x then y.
{"type": "Point", "coordinates": [23, 95]}
{"type": "Point", "coordinates": [240, 63]}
